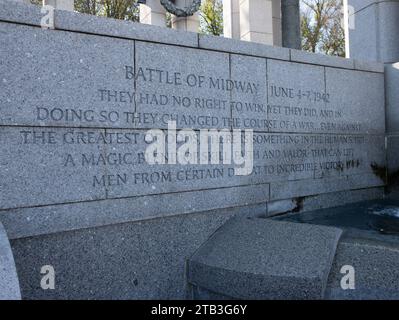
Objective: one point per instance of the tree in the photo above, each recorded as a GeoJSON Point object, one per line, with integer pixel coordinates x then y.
{"type": "Point", "coordinates": [117, 9]}
{"type": "Point", "coordinates": [321, 27]}
{"type": "Point", "coordinates": [211, 17]}
{"type": "Point", "coordinates": [87, 6]}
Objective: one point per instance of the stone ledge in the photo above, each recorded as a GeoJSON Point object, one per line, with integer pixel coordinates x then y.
{"type": "Point", "coordinates": [321, 59]}
{"type": "Point", "coordinates": [372, 66]}
{"type": "Point", "coordinates": [311, 187]}
{"type": "Point", "coordinates": [13, 11]}
{"type": "Point", "coordinates": [283, 260]}
{"type": "Point", "coordinates": [71, 21]}
{"type": "Point", "coordinates": [243, 47]}
{"type": "Point", "coordinates": [322, 201]}
{"type": "Point", "coordinates": [25, 222]}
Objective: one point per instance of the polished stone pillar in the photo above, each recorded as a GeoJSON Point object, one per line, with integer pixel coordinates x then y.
{"type": "Point", "coordinates": [190, 23]}
{"type": "Point", "coordinates": [291, 24]}
{"type": "Point", "coordinates": [256, 21]}
{"type": "Point", "coordinates": [60, 4]}
{"type": "Point", "coordinates": [372, 29]}
{"type": "Point", "coordinates": [153, 13]}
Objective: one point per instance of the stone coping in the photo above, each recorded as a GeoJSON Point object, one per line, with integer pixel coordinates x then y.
{"type": "Point", "coordinates": [12, 11]}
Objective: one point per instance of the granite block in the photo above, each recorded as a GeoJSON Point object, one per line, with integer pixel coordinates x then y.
{"type": "Point", "coordinates": [13, 11]}
{"type": "Point", "coordinates": [189, 86]}
{"type": "Point", "coordinates": [371, 66]}
{"type": "Point", "coordinates": [284, 260]}
{"type": "Point", "coordinates": [28, 222]}
{"type": "Point", "coordinates": [297, 97]}
{"type": "Point", "coordinates": [340, 198]}
{"type": "Point", "coordinates": [286, 157]}
{"type": "Point", "coordinates": [311, 187]}
{"type": "Point", "coordinates": [350, 155]}
{"type": "Point", "coordinates": [321, 59]}
{"type": "Point", "coordinates": [73, 21]}
{"type": "Point", "coordinates": [376, 270]}
{"type": "Point", "coordinates": [140, 260]}
{"type": "Point", "coordinates": [359, 99]}
{"type": "Point", "coordinates": [249, 106]}
{"type": "Point", "coordinates": [321, 201]}
{"type": "Point", "coordinates": [243, 47]}
{"type": "Point", "coordinates": [9, 282]}
{"type": "Point", "coordinates": [140, 178]}
{"type": "Point", "coordinates": [47, 166]}
{"type": "Point", "coordinates": [56, 78]}
{"type": "Point", "coordinates": [97, 164]}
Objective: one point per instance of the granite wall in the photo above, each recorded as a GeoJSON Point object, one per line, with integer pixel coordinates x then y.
{"type": "Point", "coordinates": [77, 101]}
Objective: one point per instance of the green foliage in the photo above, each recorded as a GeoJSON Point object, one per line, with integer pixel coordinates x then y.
{"type": "Point", "coordinates": [211, 17]}
{"type": "Point", "coordinates": [168, 20]}
{"type": "Point", "coordinates": [117, 9]}
{"type": "Point", "coordinates": [87, 6]}
{"type": "Point", "coordinates": [321, 27]}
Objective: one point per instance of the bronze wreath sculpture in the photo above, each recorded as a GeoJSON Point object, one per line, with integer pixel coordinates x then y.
{"type": "Point", "coordinates": [179, 12]}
